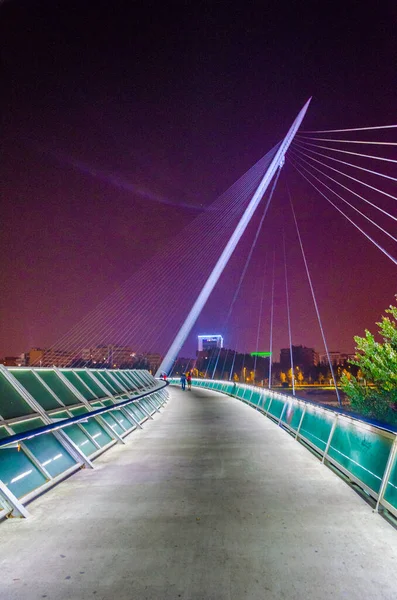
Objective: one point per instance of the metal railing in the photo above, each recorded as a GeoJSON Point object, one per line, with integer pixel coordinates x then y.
{"type": "Point", "coordinates": [56, 421]}
{"type": "Point", "coordinates": [365, 452]}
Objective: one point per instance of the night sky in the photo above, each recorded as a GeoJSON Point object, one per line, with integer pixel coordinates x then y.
{"type": "Point", "coordinates": [121, 122]}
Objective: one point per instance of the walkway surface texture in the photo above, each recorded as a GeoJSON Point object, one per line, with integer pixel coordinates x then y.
{"type": "Point", "coordinates": [211, 500]}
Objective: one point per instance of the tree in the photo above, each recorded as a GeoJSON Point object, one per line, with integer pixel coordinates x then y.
{"type": "Point", "coordinates": [374, 391]}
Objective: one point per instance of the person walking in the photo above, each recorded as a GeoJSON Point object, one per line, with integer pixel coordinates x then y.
{"type": "Point", "coordinates": [183, 381]}
{"type": "Point", "coordinates": [189, 380]}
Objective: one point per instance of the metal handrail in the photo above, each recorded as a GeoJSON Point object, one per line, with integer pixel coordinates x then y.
{"type": "Point", "coordinates": [20, 437]}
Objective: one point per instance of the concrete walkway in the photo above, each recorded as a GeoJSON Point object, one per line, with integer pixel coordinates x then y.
{"type": "Point", "coordinates": [211, 501]}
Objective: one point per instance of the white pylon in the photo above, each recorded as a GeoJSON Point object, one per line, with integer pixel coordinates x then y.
{"type": "Point", "coordinates": [209, 285]}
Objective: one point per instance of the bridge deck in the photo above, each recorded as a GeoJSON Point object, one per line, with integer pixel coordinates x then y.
{"type": "Point", "coordinates": [210, 501]}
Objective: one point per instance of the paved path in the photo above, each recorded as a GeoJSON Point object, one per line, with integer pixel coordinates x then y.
{"type": "Point", "coordinates": [211, 501]}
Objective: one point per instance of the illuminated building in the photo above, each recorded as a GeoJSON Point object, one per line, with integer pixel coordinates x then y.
{"type": "Point", "coordinates": [206, 342]}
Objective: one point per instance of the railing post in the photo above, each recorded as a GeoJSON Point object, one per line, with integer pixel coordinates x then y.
{"type": "Point", "coordinates": [16, 507]}
{"type": "Point", "coordinates": [301, 421]}
{"type": "Point", "coordinates": [386, 474]}
{"type": "Point", "coordinates": [331, 433]}
{"type": "Point", "coordinates": [282, 412]}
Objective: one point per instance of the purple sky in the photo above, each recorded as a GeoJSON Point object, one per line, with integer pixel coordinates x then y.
{"type": "Point", "coordinates": [118, 124]}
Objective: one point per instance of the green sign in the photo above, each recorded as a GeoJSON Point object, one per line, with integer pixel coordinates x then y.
{"type": "Point", "coordinates": [262, 354]}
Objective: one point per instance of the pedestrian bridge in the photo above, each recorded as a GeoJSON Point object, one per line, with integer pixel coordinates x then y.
{"type": "Point", "coordinates": [209, 499]}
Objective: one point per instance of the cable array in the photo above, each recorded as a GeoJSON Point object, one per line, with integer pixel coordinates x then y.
{"type": "Point", "coordinates": [137, 312]}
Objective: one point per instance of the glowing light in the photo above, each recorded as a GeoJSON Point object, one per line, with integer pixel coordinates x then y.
{"type": "Point", "coordinates": [21, 476]}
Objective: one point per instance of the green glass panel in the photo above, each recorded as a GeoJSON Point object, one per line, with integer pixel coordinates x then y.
{"type": "Point", "coordinates": [148, 406]}
{"type": "Point", "coordinates": [120, 380]}
{"type": "Point", "coordinates": [80, 439]}
{"type": "Point", "coordinates": [391, 488]}
{"type": "Point", "coordinates": [78, 384]}
{"type": "Point", "coordinates": [58, 387]}
{"type": "Point", "coordinates": [108, 402]}
{"type": "Point", "coordinates": [18, 472]}
{"type": "Point", "coordinates": [127, 381]}
{"type": "Point", "coordinates": [139, 413]}
{"type": "Point", "coordinates": [11, 402]}
{"type": "Point", "coordinates": [45, 448]}
{"type": "Point", "coordinates": [247, 394]}
{"type": "Point", "coordinates": [292, 415]}
{"type": "Point", "coordinates": [60, 415]}
{"type": "Point", "coordinates": [137, 376]}
{"type": "Point", "coordinates": [97, 432]}
{"type": "Point", "coordinates": [316, 427]}
{"type": "Point", "coordinates": [50, 454]}
{"type": "Point", "coordinates": [92, 384]}
{"type": "Point", "coordinates": [112, 423]}
{"type": "Point", "coordinates": [22, 426]}
{"type": "Point", "coordinates": [3, 433]}
{"type": "Point", "coordinates": [36, 388]}
{"type": "Point", "coordinates": [136, 384]}
{"type": "Point", "coordinates": [113, 381]}
{"type": "Point", "coordinates": [276, 407]}
{"type": "Point", "coordinates": [131, 412]}
{"type": "Point", "coordinates": [98, 404]}
{"type": "Point", "coordinates": [240, 391]}
{"type": "Point", "coordinates": [362, 452]}
{"type": "Point", "coordinates": [79, 410]}
{"type": "Point", "coordinates": [99, 375]}
{"type": "Point", "coordinates": [122, 419]}
{"type": "Point", "coordinates": [256, 396]}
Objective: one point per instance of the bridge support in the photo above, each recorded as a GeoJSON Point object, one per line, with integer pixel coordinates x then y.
{"type": "Point", "coordinates": [197, 307]}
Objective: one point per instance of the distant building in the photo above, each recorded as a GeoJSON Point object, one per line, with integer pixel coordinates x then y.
{"type": "Point", "coordinates": [10, 361]}
{"type": "Point", "coordinates": [110, 354]}
{"type": "Point", "coordinates": [337, 358]}
{"type": "Point", "coordinates": [303, 357]}
{"type": "Point", "coordinates": [35, 356]}
{"type": "Point", "coordinates": [206, 342]}
{"type": "Point", "coordinates": [49, 357]}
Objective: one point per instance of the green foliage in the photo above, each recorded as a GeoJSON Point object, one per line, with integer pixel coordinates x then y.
{"type": "Point", "coordinates": [375, 392]}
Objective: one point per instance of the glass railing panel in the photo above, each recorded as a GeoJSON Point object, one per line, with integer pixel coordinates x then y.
{"type": "Point", "coordinates": [97, 432]}
{"type": "Point", "coordinates": [18, 472]}
{"type": "Point", "coordinates": [12, 404]}
{"type": "Point", "coordinates": [78, 384]}
{"type": "Point", "coordinates": [292, 415]}
{"type": "Point", "coordinates": [92, 384]}
{"type": "Point", "coordinates": [122, 419]}
{"type": "Point", "coordinates": [139, 413]}
{"type": "Point", "coordinates": [255, 397]}
{"type": "Point", "coordinates": [80, 439]}
{"type": "Point", "coordinates": [3, 433]}
{"type": "Point", "coordinates": [276, 407]}
{"type": "Point", "coordinates": [316, 427]}
{"type": "Point", "coordinates": [35, 388]}
{"type": "Point", "coordinates": [103, 380]}
{"type": "Point", "coordinates": [58, 387]}
{"type": "Point", "coordinates": [113, 424]}
{"type": "Point", "coordinates": [112, 378]}
{"type": "Point", "coordinates": [79, 410]}
{"type": "Point", "coordinates": [48, 452]}
{"type": "Point", "coordinates": [363, 452]}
